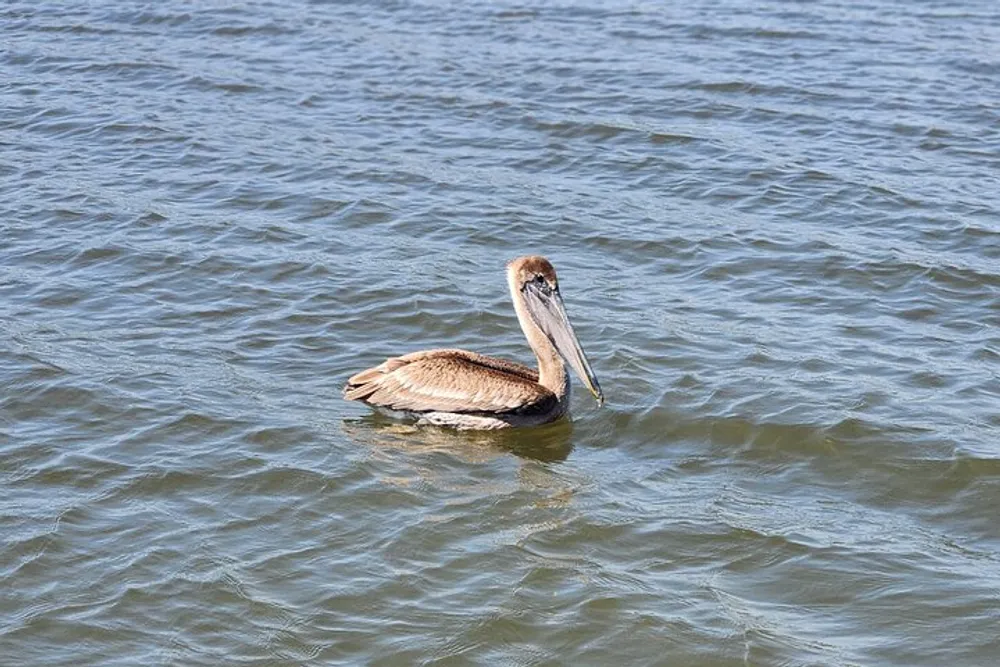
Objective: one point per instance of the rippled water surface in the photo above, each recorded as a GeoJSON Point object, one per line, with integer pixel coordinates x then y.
{"type": "Point", "coordinates": [777, 231]}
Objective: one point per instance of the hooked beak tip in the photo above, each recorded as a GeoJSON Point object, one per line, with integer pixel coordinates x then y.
{"type": "Point", "coordinates": [599, 397]}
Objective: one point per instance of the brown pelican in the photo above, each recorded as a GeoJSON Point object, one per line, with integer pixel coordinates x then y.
{"type": "Point", "coordinates": [472, 391]}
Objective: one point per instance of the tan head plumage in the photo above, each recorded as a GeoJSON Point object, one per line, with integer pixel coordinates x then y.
{"type": "Point", "coordinates": [525, 269]}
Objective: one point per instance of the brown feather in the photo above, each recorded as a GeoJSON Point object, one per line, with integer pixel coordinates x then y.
{"type": "Point", "coordinates": [450, 381]}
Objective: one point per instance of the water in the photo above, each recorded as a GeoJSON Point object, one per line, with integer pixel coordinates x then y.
{"type": "Point", "coordinates": [776, 226]}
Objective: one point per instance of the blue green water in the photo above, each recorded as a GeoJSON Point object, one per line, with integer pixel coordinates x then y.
{"type": "Point", "coordinates": [776, 228]}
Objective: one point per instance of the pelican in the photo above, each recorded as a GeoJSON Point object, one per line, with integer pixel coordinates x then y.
{"type": "Point", "coordinates": [466, 390]}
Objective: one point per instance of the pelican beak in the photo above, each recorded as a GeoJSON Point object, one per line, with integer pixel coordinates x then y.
{"type": "Point", "coordinates": [545, 305]}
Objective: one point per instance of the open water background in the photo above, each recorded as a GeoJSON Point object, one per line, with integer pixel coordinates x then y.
{"type": "Point", "coordinates": [777, 231]}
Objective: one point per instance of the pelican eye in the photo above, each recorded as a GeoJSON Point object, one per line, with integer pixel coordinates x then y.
{"type": "Point", "coordinates": [541, 284]}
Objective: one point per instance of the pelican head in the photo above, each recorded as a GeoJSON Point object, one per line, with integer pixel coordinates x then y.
{"type": "Point", "coordinates": [535, 290]}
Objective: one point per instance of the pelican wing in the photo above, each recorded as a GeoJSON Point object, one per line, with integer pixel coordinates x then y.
{"type": "Point", "coordinates": [450, 381]}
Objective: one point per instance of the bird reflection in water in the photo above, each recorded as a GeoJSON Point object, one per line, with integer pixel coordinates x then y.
{"type": "Point", "coordinates": [551, 443]}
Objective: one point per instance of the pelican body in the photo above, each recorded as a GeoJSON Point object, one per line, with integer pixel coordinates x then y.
{"type": "Point", "coordinates": [448, 387]}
